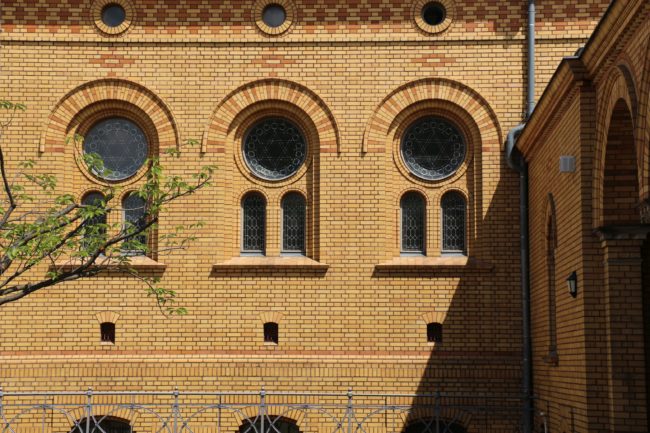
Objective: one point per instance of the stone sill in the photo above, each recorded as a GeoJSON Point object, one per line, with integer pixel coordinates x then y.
{"type": "Point", "coordinates": [292, 263]}
{"type": "Point", "coordinates": [139, 263]}
{"type": "Point", "coordinates": [419, 263]}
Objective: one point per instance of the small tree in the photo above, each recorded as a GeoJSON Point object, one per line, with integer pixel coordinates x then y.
{"type": "Point", "coordinates": [73, 239]}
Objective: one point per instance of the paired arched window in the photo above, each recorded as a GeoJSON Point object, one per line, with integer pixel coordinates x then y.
{"type": "Point", "coordinates": [454, 210]}
{"type": "Point", "coordinates": [413, 223]}
{"type": "Point", "coordinates": [134, 208]}
{"type": "Point", "coordinates": [95, 225]}
{"type": "Point", "coordinates": [253, 223]}
{"type": "Point", "coordinates": [413, 215]}
{"type": "Point", "coordinates": [293, 223]}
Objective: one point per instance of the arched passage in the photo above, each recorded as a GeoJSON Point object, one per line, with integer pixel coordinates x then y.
{"type": "Point", "coordinates": [626, 294]}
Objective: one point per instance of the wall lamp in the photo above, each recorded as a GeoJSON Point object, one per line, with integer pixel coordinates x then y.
{"type": "Point", "coordinates": [572, 284]}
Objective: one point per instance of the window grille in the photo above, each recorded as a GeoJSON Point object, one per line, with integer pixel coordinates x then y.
{"type": "Point", "coordinates": [272, 424]}
{"type": "Point", "coordinates": [432, 148]}
{"type": "Point", "coordinates": [453, 222]}
{"type": "Point", "coordinates": [253, 223]}
{"type": "Point", "coordinates": [134, 218]}
{"type": "Point", "coordinates": [293, 223]}
{"type": "Point", "coordinates": [274, 148]}
{"type": "Point", "coordinates": [121, 145]}
{"type": "Point", "coordinates": [433, 425]}
{"type": "Point", "coordinates": [101, 424]}
{"type": "Point", "coordinates": [413, 223]}
{"type": "Point", "coordinates": [95, 227]}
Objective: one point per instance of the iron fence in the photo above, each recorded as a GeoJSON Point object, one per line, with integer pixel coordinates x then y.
{"type": "Point", "coordinates": [255, 412]}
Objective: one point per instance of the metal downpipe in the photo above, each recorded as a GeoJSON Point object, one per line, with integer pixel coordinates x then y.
{"type": "Point", "coordinates": [517, 162]}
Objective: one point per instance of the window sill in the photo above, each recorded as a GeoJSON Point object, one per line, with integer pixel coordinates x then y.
{"type": "Point", "coordinates": [422, 263]}
{"type": "Point", "coordinates": [139, 263]}
{"type": "Point", "coordinates": [263, 263]}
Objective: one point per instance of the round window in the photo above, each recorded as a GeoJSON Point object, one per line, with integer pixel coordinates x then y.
{"type": "Point", "coordinates": [434, 13]}
{"type": "Point", "coordinates": [120, 144]}
{"type": "Point", "coordinates": [113, 15]}
{"type": "Point", "coordinates": [432, 148]}
{"type": "Point", "coordinates": [274, 15]}
{"type": "Point", "coordinates": [274, 148]}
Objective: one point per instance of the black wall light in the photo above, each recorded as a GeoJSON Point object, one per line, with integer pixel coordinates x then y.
{"type": "Point", "coordinates": [572, 284]}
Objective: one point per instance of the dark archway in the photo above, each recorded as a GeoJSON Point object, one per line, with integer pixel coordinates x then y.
{"type": "Point", "coordinates": [431, 425]}
{"type": "Point", "coordinates": [620, 180]}
{"type": "Point", "coordinates": [272, 424]}
{"type": "Point", "coordinates": [102, 424]}
{"type": "Point", "coordinates": [626, 301]}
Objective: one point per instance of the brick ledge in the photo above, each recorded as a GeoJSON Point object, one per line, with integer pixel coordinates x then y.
{"type": "Point", "coordinates": [270, 263]}
{"type": "Point", "coordinates": [139, 263]}
{"type": "Point", "coordinates": [433, 263]}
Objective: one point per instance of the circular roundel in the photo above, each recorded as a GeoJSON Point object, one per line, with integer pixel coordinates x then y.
{"type": "Point", "coordinates": [432, 148]}
{"type": "Point", "coordinates": [113, 15]}
{"type": "Point", "coordinates": [120, 144]}
{"type": "Point", "coordinates": [274, 148]}
{"type": "Point", "coordinates": [434, 13]}
{"type": "Point", "coordinates": [274, 15]}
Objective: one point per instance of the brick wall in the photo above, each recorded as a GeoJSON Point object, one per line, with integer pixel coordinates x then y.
{"type": "Point", "coordinates": [353, 75]}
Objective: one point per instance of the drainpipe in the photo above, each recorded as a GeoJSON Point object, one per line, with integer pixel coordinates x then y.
{"type": "Point", "coordinates": [517, 162]}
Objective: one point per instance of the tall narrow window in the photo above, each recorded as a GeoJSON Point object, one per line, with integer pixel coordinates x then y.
{"type": "Point", "coordinates": [434, 332]}
{"type": "Point", "coordinates": [271, 332]}
{"type": "Point", "coordinates": [107, 331]}
{"type": "Point", "coordinates": [552, 357]}
{"type": "Point", "coordinates": [253, 223]}
{"type": "Point", "coordinates": [413, 212]}
{"type": "Point", "coordinates": [95, 225]}
{"type": "Point", "coordinates": [453, 222]}
{"type": "Point", "coordinates": [293, 223]}
{"type": "Point", "coordinates": [135, 218]}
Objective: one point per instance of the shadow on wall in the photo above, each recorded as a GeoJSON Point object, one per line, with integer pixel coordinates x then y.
{"type": "Point", "coordinates": [472, 380]}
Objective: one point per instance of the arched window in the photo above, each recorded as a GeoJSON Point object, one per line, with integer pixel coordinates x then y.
{"type": "Point", "coordinates": [453, 222]}
{"type": "Point", "coordinates": [134, 208]}
{"type": "Point", "coordinates": [253, 223]}
{"type": "Point", "coordinates": [271, 332]}
{"type": "Point", "coordinates": [551, 243]}
{"type": "Point", "coordinates": [101, 424]}
{"type": "Point", "coordinates": [272, 424]}
{"type": "Point", "coordinates": [293, 223]}
{"type": "Point", "coordinates": [413, 210]}
{"type": "Point", "coordinates": [95, 225]}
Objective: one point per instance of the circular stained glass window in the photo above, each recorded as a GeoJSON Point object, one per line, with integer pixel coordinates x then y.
{"type": "Point", "coordinates": [432, 148]}
{"type": "Point", "coordinates": [274, 148]}
{"type": "Point", "coordinates": [121, 145]}
{"type": "Point", "coordinates": [274, 15]}
{"type": "Point", "coordinates": [113, 15]}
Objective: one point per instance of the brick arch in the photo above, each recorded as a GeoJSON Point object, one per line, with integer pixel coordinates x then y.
{"type": "Point", "coordinates": [104, 92]}
{"type": "Point", "coordinates": [263, 92]}
{"type": "Point", "coordinates": [616, 87]}
{"type": "Point", "coordinates": [644, 125]}
{"type": "Point", "coordinates": [380, 123]}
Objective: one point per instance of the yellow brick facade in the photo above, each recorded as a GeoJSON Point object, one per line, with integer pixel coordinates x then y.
{"type": "Point", "coordinates": [353, 312]}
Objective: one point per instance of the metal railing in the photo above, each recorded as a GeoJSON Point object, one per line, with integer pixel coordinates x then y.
{"type": "Point", "coordinates": [255, 412]}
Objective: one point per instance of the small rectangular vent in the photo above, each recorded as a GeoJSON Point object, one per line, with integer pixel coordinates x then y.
{"type": "Point", "coordinates": [567, 164]}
